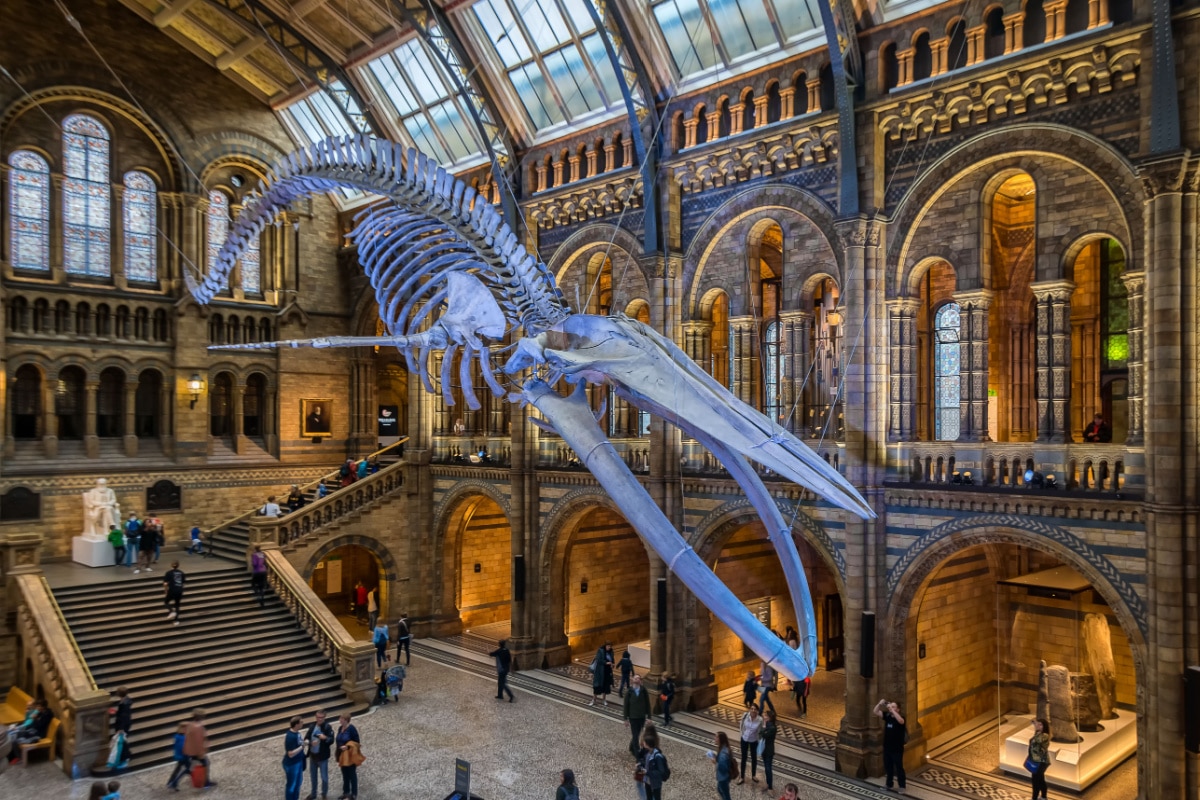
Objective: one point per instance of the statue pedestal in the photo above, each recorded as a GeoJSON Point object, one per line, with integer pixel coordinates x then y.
{"type": "Point", "coordinates": [92, 552]}
{"type": "Point", "coordinates": [1073, 766]}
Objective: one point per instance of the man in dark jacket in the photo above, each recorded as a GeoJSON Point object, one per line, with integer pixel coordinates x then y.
{"type": "Point", "coordinates": [503, 665]}
{"type": "Point", "coordinates": [637, 708]}
{"type": "Point", "coordinates": [173, 588]}
{"type": "Point", "coordinates": [320, 739]}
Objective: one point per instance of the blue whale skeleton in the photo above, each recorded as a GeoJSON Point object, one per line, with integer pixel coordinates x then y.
{"type": "Point", "coordinates": [449, 275]}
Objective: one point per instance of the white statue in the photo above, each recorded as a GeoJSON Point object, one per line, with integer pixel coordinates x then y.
{"type": "Point", "coordinates": [101, 511]}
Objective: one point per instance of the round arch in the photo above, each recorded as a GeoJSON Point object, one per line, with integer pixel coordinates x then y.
{"type": "Point", "coordinates": [384, 563]}
{"type": "Point", "coordinates": [450, 518]}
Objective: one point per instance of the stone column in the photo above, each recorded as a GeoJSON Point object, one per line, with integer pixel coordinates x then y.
{"type": "Point", "coordinates": [1052, 346]}
{"type": "Point", "coordinates": [1171, 446]}
{"type": "Point", "coordinates": [91, 442]}
{"type": "Point", "coordinates": [557, 166]}
{"type": "Point", "coordinates": [1135, 283]}
{"type": "Point", "coordinates": [787, 102]}
{"type": "Point", "coordinates": [973, 364]}
{"type": "Point", "coordinates": [116, 219]}
{"type": "Point", "coordinates": [795, 338]}
{"type": "Point", "coordinates": [714, 125]}
{"type": "Point", "coordinates": [1097, 13]}
{"type": "Point", "coordinates": [814, 94]}
{"type": "Point", "coordinates": [591, 161]}
{"type": "Point", "coordinates": [363, 438]}
{"type": "Point", "coordinates": [760, 111]}
{"type": "Point", "coordinates": [1014, 32]}
{"type": "Point", "coordinates": [541, 177]}
{"type": "Point", "coordinates": [904, 67]}
{"type": "Point", "coordinates": [737, 118]}
{"type": "Point", "coordinates": [938, 48]}
{"type": "Point", "coordinates": [697, 341]}
{"type": "Point", "coordinates": [689, 132]}
{"type": "Point", "coordinates": [270, 431]}
{"type": "Point", "coordinates": [975, 44]}
{"type": "Point", "coordinates": [166, 410]}
{"type": "Point", "coordinates": [573, 164]}
{"type": "Point", "coordinates": [744, 363]}
{"type": "Point", "coordinates": [902, 351]}
{"type": "Point", "coordinates": [1056, 19]}
{"type": "Point", "coordinates": [57, 271]}
{"type": "Point", "coordinates": [238, 402]}
{"type": "Point", "coordinates": [49, 419]}
{"type": "Point", "coordinates": [610, 157]}
{"type": "Point", "coordinates": [130, 437]}
{"type": "Point", "coordinates": [627, 150]}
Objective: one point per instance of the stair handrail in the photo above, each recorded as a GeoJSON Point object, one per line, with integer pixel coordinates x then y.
{"type": "Point", "coordinates": [351, 658]}
{"type": "Point", "coordinates": [212, 531]}
{"type": "Point", "coordinates": [290, 527]}
{"type": "Point", "coordinates": [61, 670]}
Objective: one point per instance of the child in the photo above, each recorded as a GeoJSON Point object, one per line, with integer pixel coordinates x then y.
{"type": "Point", "coordinates": [749, 690]}
{"type": "Point", "coordinates": [114, 791]}
{"type": "Point", "coordinates": [196, 547]}
{"type": "Point", "coordinates": [626, 665]}
{"type": "Point", "coordinates": [183, 764]}
{"type": "Point", "coordinates": [381, 688]}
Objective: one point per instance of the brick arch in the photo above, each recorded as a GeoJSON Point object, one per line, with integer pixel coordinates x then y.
{"type": "Point", "coordinates": [711, 533]}
{"type": "Point", "coordinates": [376, 547]}
{"type": "Point", "coordinates": [447, 532]}
{"type": "Point", "coordinates": [792, 209]}
{"type": "Point", "coordinates": [223, 147]}
{"type": "Point", "coordinates": [601, 238]}
{"type": "Point", "coordinates": [911, 572]}
{"type": "Point", "coordinates": [1008, 146]}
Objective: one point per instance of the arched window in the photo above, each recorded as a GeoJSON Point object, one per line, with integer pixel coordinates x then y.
{"type": "Point", "coordinates": [828, 101]}
{"type": "Point", "coordinates": [772, 405]}
{"type": "Point", "coordinates": [218, 225]}
{"type": "Point", "coordinates": [922, 62]}
{"type": "Point", "coordinates": [956, 48]}
{"type": "Point", "coordinates": [141, 220]}
{"type": "Point", "coordinates": [889, 67]}
{"type": "Point", "coordinates": [145, 404]}
{"type": "Point", "coordinates": [160, 330]}
{"type": "Point", "coordinates": [70, 403]}
{"type": "Point", "coordinates": [1035, 23]}
{"type": "Point", "coordinates": [86, 197]}
{"type": "Point", "coordinates": [26, 402]}
{"type": "Point", "coordinates": [220, 406]}
{"type": "Point", "coordinates": [946, 357]}
{"type": "Point", "coordinates": [29, 211]}
{"type": "Point", "coordinates": [993, 37]}
{"type": "Point", "coordinates": [254, 403]}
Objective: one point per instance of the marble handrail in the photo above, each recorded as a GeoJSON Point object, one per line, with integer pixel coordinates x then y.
{"type": "Point", "coordinates": [328, 510]}
{"type": "Point", "coordinates": [62, 673]}
{"type": "Point", "coordinates": [352, 659]}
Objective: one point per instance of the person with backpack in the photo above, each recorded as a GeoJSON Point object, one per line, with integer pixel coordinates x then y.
{"type": "Point", "coordinates": [726, 764]}
{"type": "Point", "coordinates": [626, 666]}
{"type": "Point", "coordinates": [133, 534]}
{"type": "Point", "coordinates": [567, 790]}
{"type": "Point", "coordinates": [895, 734]}
{"type": "Point", "coordinates": [653, 765]}
{"type": "Point", "coordinates": [381, 640]}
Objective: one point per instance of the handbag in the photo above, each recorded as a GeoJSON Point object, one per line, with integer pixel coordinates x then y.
{"type": "Point", "coordinates": [1031, 765]}
{"type": "Point", "coordinates": [762, 745]}
{"type": "Point", "coordinates": [663, 696]}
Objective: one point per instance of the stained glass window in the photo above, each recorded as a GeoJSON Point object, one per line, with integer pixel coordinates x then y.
{"type": "Point", "coordinates": [552, 55]}
{"type": "Point", "coordinates": [86, 197]}
{"type": "Point", "coordinates": [771, 355]}
{"type": "Point", "coordinates": [141, 223]}
{"type": "Point", "coordinates": [218, 225]}
{"type": "Point", "coordinates": [707, 33]}
{"type": "Point", "coordinates": [29, 210]}
{"type": "Point", "coordinates": [946, 361]}
{"type": "Point", "coordinates": [251, 269]}
{"type": "Point", "coordinates": [1114, 307]}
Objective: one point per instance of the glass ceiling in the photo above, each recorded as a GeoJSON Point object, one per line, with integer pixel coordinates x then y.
{"type": "Point", "coordinates": [553, 57]}
{"type": "Point", "coordinates": [702, 34]}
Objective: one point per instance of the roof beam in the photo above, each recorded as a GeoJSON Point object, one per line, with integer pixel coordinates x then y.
{"type": "Point", "coordinates": [170, 13]}
{"type": "Point", "coordinates": [248, 46]}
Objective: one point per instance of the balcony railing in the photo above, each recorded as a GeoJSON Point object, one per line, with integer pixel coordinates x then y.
{"type": "Point", "coordinates": [1074, 467]}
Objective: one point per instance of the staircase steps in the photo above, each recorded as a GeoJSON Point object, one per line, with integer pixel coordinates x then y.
{"type": "Point", "coordinates": [251, 668]}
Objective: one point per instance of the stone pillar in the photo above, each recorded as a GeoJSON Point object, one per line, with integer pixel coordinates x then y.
{"type": "Point", "coordinates": [166, 413]}
{"type": "Point", "coordinates": [737, 118]}
{"type": "Point", "coordinates": [714, 125]}
{"type": "Point", "coordinates": [904, 67]}
{"type": "Point", "coordinates": [57, 272]}
{"type": "Point", "coordinates": [49, 419]}
{"type": "Point", "coordinates": [1056, 19]}
{"type": "Point", "coordinates": [558, 173]}
{"type": "Point", "coordinates": [1171, 446]}
{"type": "Point", "coordinates": [627, 151]}
{"type": "Point", "coordinates": [130, 433]}
{"type": "Point", "coordinates": [363, 438]}
{"type": "Point", "coordinates": [795, 337]}
{"type": "Point", "coordinates": [1052, 346]}
{"type": "Point", "coordinates": [591, 162]}
{"type": "Point", "coordinates": [1135, 283]}
{"type": "Point", "coordinates": [116, 221]}
{"type": "Point", "coordinates": [270, 430]}
{"type": "Point", "coordinates": [744, 361]}
{"type": "Point", "coordinates": [541, 177]}
{"type": "Point", "coordinates": [573, 163]}
{"type": "Point", "coordinates": [610, 157]}
{"type": "Point", "coordinates": [975, 44]}
{"type": "Point", "coordinates": [1097, 13]}
{"type": "Point", "coordinates": [91, 442]}
{"type": "Point", "coordinates": [902, 351]}
{"type": "Point", "coordinates": [814, 94]}
{"type": "Point", "coordinates": [238, 402]}
{"type": "Point", "coordinates": [760, 111]}
{"type": "Point", "coordinates": [1014, 32]}
{"type": "Point", "coordinates": [787, 102]}
{"type": "Point", "coordinates": [973, 364]}
{"type": "Point", "coordinates": [689, 132]}
{"type": "Point", "coordinates": [697, 341]}
{"type": "Point", "coordinates": [937, 49]}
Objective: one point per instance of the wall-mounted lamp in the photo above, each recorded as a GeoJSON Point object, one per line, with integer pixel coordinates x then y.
{"type": "Point", "coordinates": [195, 385]}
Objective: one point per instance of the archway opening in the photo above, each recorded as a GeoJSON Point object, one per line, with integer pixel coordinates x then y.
{"type": "Point", "coordinates": [336, 578]}
{"type": "Point", "coordinates": [1099, 339]}
{"type": "Point", "coordinates": [750, 567]}
{"type": "Point", "coordinates": [484, 592]}
{"type": "Point", "coordinates": [1001, 634]}
{"type": "Point", "coordinates": [606, 593]}
{"type": "Point", "coordinates": [26, 403]}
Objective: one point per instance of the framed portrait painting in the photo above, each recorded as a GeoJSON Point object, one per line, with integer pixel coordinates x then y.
{"type": "Point", "coordinates": [316, 417]}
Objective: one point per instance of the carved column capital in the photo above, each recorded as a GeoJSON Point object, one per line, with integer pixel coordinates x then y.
{"type": "Point", "coordinates": [1163, 175]}
{"type": "Point", "coordinates": [1051, 291]}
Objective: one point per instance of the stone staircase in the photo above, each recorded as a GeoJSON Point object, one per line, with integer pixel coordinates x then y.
{"type": "Point", "coordinates": [250, 667]}
{"type": "Point", "coordinates": [231, 540]}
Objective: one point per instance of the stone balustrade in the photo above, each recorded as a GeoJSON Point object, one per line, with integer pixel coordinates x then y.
{"type": "Point", "coordinates": [1100, 468]}
{"type": "Point", "coordinates": [350, 658]}
{"type": "Point", "coordinates": [60, 671]}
